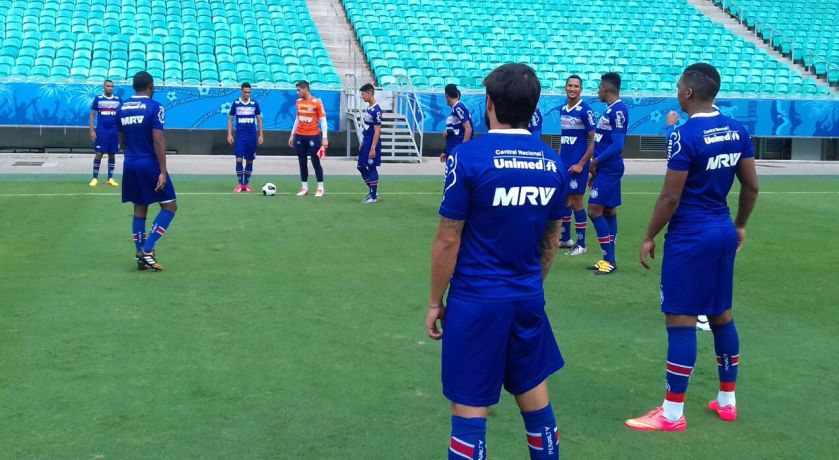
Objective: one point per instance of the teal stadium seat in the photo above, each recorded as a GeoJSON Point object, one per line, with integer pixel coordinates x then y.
{"type": "Point", "coordinates": [89, 40]}
{"type": "Point", "coordinates": [631, 37]}
{"type": "Point", "coordinates": [810, 24]}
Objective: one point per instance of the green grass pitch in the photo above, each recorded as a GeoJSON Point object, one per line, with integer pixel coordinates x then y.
{"type": "Point", "coordinates": [292, 328]}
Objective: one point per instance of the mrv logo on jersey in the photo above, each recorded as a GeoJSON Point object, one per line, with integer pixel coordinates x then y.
{"type": "Point", "coordinates": [133, 120]}
{"type": "Point", "coordinates": [723, 160]}
{"type": "Point", "coordinates": [519, 196]}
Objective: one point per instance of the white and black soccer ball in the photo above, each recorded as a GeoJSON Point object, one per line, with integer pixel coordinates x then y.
{"type": "Point", "coordinates": [269, 189]}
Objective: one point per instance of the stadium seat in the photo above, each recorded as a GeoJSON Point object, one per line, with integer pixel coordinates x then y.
{"type": "Point", "coordinates": [629, 37]}
{"type": "Point", "coordinates": [81, 36]}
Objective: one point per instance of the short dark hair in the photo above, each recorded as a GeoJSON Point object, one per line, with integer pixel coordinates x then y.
{"type": "Point", "coordinates": [612, 78]}
{"type": "Point", "coordinates": [575, 76]}
{"type": "Point", "coordinates": [703, 79]}
{"type": "Point", "coordinates": [515, 90]}
{"type": "Point", "coordinates": [107, 81]}
{"type": "Point", "coordinates": [142, 81]}
{"type": "Point", "coordinates": [246, 85]}
{"type": "Point", "coordinates": [302, 84]}
{"type": "Point", "coordinates": [368, 88]}
{"type": "Point", "coordinates": [452, 91]}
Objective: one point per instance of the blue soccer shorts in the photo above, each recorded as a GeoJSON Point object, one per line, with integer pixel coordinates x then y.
{"type": "Point", "coordinates": [106, 143]}
{"type": "Point", "coordinates": [487, 344]}
{"type": "Point", "coordinates": [697, 273]}
{"type": "Point", "coordinates": [245, 147]}
{"type": "Point", "coordinates": [577, 182]}
{"type": "Point", "coordinates": [364, 154]}
{"type": "Point", "coordinates": [606, 190]}
{"type": "Point", "coordinates": [139, 178]}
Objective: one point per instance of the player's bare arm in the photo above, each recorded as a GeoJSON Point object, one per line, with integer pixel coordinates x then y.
{"type": "Point", "coordinates": [92, 128]}
{"type": "Point", "coordinates": [665, 206]}
{"type": "Point", "coordinates": [160, 152]}
{"type": "Point", "coordinates": [260, 138]}
{"type": "Point", "coordinates": [377, 133]}
{"type": "Point", "coordinates": [548, 246]}
{"type": "Point", "coordinates": [443, 260]}
{"type": "Point", "coordinates": [747, 175]}
{"type": "Point", "coordinates": [578, 168]}
{"type": "Point", "coordinates": [467, 131]}
{"type": "Point", "coordinates": [230, 129]}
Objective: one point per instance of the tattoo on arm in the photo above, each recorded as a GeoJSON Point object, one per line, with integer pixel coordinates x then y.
{"type": "Point", "coordinates": [548, 246]}
{"type": "Point", "coordinates": [452, 224]}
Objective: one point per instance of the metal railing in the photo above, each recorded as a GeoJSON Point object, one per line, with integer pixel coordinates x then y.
{"type": "Point", "coordinates": [338, 17]}
{"type": "Point", "coordinates": [819, 58]}
{"type": "Point", "coordinates": [406, 102]}
{"type": "Point", "coordinates": [407, 112]}
{"type": "Point", "coordinates": [741, 16]}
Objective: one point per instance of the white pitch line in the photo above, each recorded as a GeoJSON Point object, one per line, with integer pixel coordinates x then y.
{"type": "Point", "coordinates": [27, 195]}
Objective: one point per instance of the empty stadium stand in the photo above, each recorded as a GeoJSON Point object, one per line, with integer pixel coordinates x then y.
{"type": "Point", "coordinates": [805, 29]}
{"type": "Point", "coordinates": [649, 44]}
{"type": "Point", "coordinates": [178, 41]}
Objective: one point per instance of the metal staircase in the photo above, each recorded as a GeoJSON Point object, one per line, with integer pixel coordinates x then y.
{"type": "Point", "coordinates": [402, 118]}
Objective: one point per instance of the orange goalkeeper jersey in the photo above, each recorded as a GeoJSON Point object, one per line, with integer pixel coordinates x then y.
{"type": "Point", "coordinates": [308, 114]}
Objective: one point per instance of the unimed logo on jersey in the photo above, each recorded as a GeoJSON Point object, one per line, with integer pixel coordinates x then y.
{"type": "Point", "coordinates": [723, 160]}
{"type": "Point", "coordinates": [520, 196]}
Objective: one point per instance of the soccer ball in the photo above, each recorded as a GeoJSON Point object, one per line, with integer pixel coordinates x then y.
{"type": "Point", "coordinates": [269, 189]}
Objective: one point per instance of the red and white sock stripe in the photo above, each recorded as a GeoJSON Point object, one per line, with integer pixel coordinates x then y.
{"type": "Point", "coordinates": [566, 219]}
{"type": "Point", "coordinates": [678, 369]}
{"type": "Point", "coordinates": [732, 360]}
{"type": "Point", "coordinates": [160, 230]}
{"type": "Point", "coordinates": [580, 225]}
{"type": "Point", "coordinates": [462, 448]}
{"type": "Point", "coordinates": [604, 239]}
{"type": "Point", "coordinates": [534, 440]}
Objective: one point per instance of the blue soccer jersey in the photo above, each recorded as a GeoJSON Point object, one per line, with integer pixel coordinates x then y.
{"type": "Point", "coordinates": [245, 114]}
{"type": "Point", "coordinates": [697, 273]}
{"type": "Point", "coordinates": [614, 121]}
{"type": "Point", "coordinates": [454, 126]}
{"type": "Point", "coordinates": [137, 117]}
{"type": "Point", "coordinates": [372, 118]}
{"type": "Point", "coordinates": [506, 185]}
{"type": "Point", "coordinates": [576, 123]}
{"type": "Point", "coordinates": [106, 114]}
{"type": "Point", "coordinates": [535, 125]}
{"type": "Point", "coordinates": [709, 147]}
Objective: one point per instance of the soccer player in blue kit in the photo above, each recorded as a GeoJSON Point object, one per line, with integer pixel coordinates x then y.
{"type": "Point", "coordinates": [248, 135]}
{"type": "Point", "coordinates": [458, 124]}
{"type": "Point", "coordinates": [697, 274]}
{"type": "Point", "coordinates": [105, 136]}
{"type": "Point", "coordinates": [577, 141]}
{"type": "Point", "coordinates": [535, 125]}
{"type": "Point", "coordinates": [496, 241]}
{"type": "Point", "coordinates": [145, 177]}
{"type": "Point", "coordinates": [607, 168]}
{"type": "Point", "coordinates": [370, 152]}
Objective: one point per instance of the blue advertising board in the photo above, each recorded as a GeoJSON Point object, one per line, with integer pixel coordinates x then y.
{"type": "Point", "coordinates": [762, 117]}
{"type": "Point", "coordinates": [46, 104]}
{"type": "Point", "coordinates": [39, 104]}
